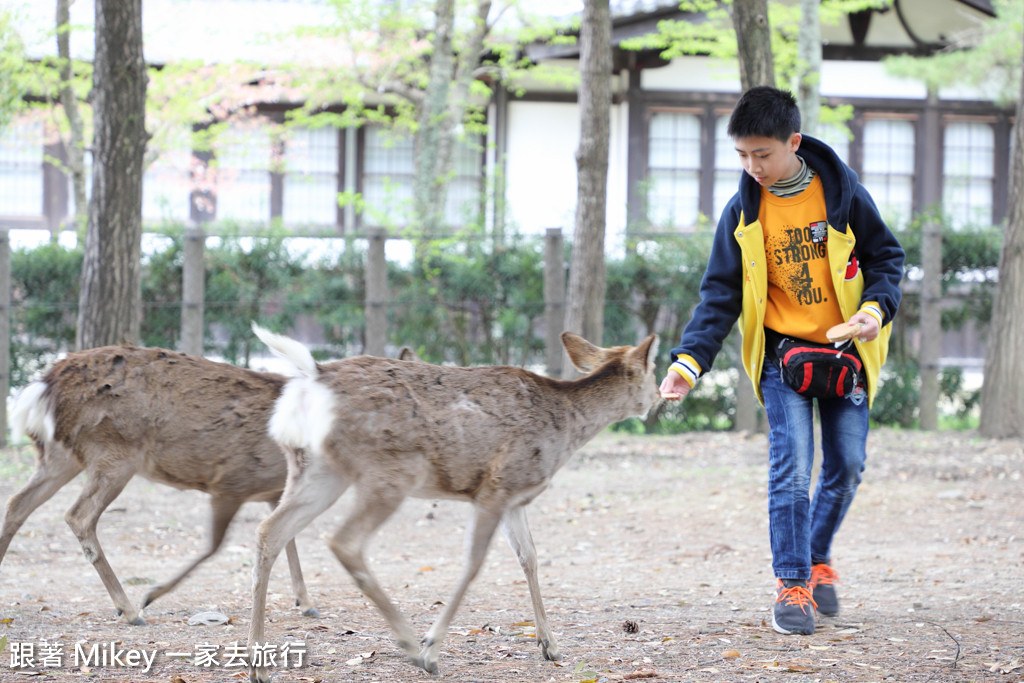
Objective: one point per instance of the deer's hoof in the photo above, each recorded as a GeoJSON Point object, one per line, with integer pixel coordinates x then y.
{"type": "Point", "coordinates": [550, 651]}
{"type": "Point", "coordinates": [259, 676]}
{"type": "Point", "coordinates": [423, 662]}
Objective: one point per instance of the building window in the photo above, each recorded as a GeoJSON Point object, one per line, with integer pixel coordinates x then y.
{"type": "Point", "coordinates": [167, 183]}
{"type": "Point", "coordinates": [243, 174]}
{"type": "Point", "coordinates": [673, 169]}
{"type": "Point", "coordinates": [311, 177]}
{"type": "Point", "coordinates": [889, 166]}
{"type": "Point", "coordinates": [21, 169]}
{"type": "Point", "coordinates": [968, 172]}
{"type": "Point", "coordinates": [387, 177]}
{"type": "Point", "coordinates": [387, 180]}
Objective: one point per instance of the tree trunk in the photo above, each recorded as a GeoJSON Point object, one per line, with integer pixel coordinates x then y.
{"type": "Point", "coordinates": [442, 110]}
{"type": "Point", "coordinates": [585, 300]}
{"type": "Point", "coordinates": [1002, 401]}
{"type": "Point", "coordinates": [808, 72]}
{"type": "Point", "coordinates": [69, 103]}
{"type": "Point", "coordinates": [110, 303]}
{"type": "Point", "coordinates": [433, 139]}
{"type": "Point", "coordinates": [754, 42]}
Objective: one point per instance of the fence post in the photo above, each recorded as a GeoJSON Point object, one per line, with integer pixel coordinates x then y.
{"type": "Point", "coordinates": [554, 299]}
{"type": "Point", "coordinates": [930, 321]}
{"type": "Point", "coordinates": [376, 313]}
{"type": "Point", "coordinates": [193, 290]}
{"type": "Point", "coordinates": [5, 329]}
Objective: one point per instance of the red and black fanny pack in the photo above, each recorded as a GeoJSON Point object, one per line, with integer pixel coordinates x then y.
{"type": "Point", "coordinates": [817, 370]}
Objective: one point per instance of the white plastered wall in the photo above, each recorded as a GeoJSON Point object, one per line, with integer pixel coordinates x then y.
{"type": "Point", "coordinates": [540, 168]}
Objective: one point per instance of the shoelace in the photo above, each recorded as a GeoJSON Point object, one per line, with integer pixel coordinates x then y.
{"type": "Point", "coordinates": [796, 596]}
{"type": "Point", "coordinates": [823, 575]}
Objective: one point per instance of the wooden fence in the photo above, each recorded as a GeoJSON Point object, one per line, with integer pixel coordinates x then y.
{"type": "Point", "coordinates": [374, 306]}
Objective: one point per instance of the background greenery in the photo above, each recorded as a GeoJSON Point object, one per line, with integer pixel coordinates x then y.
{"type": "Point", "coordinates": [470, 301]}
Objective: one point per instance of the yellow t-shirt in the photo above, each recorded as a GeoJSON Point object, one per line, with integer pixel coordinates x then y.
{"type": "Point", "coordinates": [801, 296]}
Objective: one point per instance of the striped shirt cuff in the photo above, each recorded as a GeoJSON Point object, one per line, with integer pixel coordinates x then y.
{"type": "Point", "coordinates": [687, 367]}
{"type": "Point", "coordinates": [874, 310]}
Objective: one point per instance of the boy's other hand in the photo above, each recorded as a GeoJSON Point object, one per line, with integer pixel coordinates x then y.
{"type": "Point", "coordinates": [869, 326]}
{"type": "Point", "coordinates": [674, 387]}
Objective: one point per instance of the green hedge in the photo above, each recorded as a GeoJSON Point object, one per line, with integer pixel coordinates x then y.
{"type": "Point", "coordinates": [463, 301]}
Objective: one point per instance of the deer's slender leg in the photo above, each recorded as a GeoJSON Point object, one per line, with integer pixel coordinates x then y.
{"type": "Point", "coordinates": [302, 599]}
{"type": "Point", "coordinates": [306, 496]}
{"type": "Point", "coordinates": [222, 511]}
{"type": "Point", "coordinates": [53, 470]}
{"type": "Point", "coordinates": [517, 531]}
{"type": "Point", "coordinates": [478, 537]}
{"type": "Point", "coordinates": [101, 488]}
{"type": "Point", "coordinates": [373, 506]}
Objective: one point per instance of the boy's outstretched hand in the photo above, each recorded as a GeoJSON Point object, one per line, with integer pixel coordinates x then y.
{"type": "Point", "coordinates": [674, 387]}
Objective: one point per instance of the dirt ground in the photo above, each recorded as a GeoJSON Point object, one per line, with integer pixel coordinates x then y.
{"type": "Point", "coordinates": [655, 566]}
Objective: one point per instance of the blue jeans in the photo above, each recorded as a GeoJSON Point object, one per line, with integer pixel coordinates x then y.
{"type": "Point", "coordinates": [801, 530]}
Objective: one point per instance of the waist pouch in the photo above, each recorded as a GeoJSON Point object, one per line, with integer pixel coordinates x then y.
{"type": "Point", "coordinates": [816, 370]}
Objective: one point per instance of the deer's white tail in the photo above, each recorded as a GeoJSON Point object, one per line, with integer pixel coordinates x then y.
{"type": "Point", "coordinates": [304, 413]}
{"type": "Point", "coordinates": [287, 348]}
{"type": "Point", "coordinates": [31, 414]}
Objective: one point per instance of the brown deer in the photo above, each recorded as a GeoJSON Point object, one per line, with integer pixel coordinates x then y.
{"type": "Point", "coordinates": [188, 422]}
{"type": "Point", "coordinates": [492, 436]}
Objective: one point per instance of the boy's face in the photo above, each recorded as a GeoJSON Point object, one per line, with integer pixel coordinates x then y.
{"type": "Point", "coordinates": [769, 160]}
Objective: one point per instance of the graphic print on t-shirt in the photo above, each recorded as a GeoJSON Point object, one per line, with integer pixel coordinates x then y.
{"type": "Point", "coordinates": [797, 260]}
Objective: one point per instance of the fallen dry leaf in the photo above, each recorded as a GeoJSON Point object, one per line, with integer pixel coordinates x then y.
{"type": "Point", "coordinates": [1005, 668]}
{"type": "Point", "coordinates": [362, 657]}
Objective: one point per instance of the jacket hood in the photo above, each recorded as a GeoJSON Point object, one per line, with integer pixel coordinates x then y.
{"type": "Point", "coordinates": [838, 179]}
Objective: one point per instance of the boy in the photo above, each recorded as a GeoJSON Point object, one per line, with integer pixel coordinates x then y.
{"type": "Point", "coordinates": [799, 248]}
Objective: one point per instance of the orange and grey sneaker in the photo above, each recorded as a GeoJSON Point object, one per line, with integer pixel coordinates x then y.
{"type": "Point", "coordinates": [823, 588]}
{"type": "Point", "coordinates": [793, 612]}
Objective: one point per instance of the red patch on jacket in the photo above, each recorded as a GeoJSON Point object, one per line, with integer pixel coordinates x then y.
{"type": "Point", "coordinates": [852, 267]}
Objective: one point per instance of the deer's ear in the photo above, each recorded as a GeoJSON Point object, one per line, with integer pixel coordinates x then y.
{"type": "Point", "coordinates": [408, 354]}
{"type": "Point", "coordinates": [647, 351]}
{"type": "Point", "coordinates": [584, 355]}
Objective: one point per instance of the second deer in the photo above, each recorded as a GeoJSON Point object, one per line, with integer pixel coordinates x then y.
{"type": "Point", "coordinates": [118, 411]}
{"type": "Point", "coordinates": [492, 436]}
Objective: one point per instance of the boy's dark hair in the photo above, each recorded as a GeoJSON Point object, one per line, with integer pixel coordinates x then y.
{"type": "Point", "coordinates": [765, 112]}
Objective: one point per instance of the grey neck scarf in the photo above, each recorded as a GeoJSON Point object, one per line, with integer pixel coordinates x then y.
{"type": "Point", "coordinates": [795, 185]}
